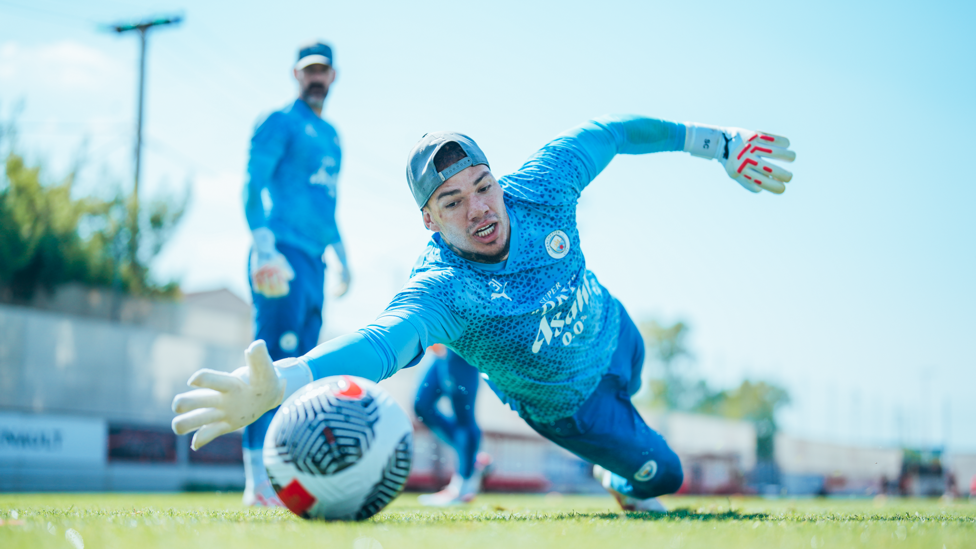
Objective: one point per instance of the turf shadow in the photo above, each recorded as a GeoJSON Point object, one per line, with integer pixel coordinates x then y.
{"type": "Point", "coordinates": [503, 515]}
{"type": "Point", "coordinates": [688, 514]}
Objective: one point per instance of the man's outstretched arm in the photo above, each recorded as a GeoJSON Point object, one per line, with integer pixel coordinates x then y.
{"type": "Point", "coordinates": [595, 142]}
{"type": "Point", "coordinates": [224, 402]}
{"type": "Point", "coordinates": [269, 269]}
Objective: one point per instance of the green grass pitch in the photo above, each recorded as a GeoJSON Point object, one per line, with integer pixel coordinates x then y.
{"type": "Point", "coordinates": [212, 521]}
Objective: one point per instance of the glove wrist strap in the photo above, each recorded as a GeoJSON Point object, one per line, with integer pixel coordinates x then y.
{"type": "Point", "coordinates": [264, 240]}
{"type": "Point", "coordinates": [295, 373]}
{"type": "Point", "coordinates": [703, 141]}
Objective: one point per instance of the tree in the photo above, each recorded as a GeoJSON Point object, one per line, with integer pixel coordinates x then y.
{"type": "Point", "coordinates": [677, 389]}
{"type": "Point", "coordinates": [666, 345]}
{"type": "Point", "coordinates": [39, 242]}
{"type": "Point", "coordinates": [755, 402]}
{"type": "Point", "coordinates": [48, 237]}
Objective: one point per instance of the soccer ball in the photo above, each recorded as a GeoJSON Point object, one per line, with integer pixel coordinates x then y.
{"type": "Point", "coordinates": [338, 449]}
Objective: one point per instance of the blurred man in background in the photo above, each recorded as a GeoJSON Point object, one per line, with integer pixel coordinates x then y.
{"type": "Point", "coordinates": [449, 376]}
{"type": "Point", "coordinates": [290, 203]}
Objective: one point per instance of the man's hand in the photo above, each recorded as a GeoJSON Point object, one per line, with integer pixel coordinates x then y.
{"type": "Point", "coordinates": [226, 402]}
{"type": "Point", "coordinates": [743, 152]}
{"type": "Point", "coordinates": [270, 271]}
{"type": "Point", "coordinates": [271, 276]}
{"type": "Point", "coordinates": [745, 164]}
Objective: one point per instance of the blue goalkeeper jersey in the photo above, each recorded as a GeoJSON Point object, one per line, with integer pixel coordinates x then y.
{"type": "Point", "coordinates": [539, 325]}
{"type": "Point", "coordinates": [295, 156]}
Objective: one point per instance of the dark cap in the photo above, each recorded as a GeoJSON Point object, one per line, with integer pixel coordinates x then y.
{"type": "Point", "coordinates": [423, 178]}
{"type": "Point", "coordinates": [315, 53]}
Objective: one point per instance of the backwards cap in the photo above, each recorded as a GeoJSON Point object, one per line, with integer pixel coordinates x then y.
{"type": "Point", "coordinates": [423, 178]}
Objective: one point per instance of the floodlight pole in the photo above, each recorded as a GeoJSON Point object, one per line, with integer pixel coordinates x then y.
{"type": "Point", "coordinates": [142, 98]}
{"type": "Point", "coordinates": [143, 28]}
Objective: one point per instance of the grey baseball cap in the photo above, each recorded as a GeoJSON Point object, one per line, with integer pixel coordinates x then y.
{"type": "Point", "coordinates": [423, 178]}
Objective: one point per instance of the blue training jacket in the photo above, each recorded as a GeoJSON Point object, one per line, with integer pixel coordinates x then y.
{"type": "Point", "coordinates": [296, 156]}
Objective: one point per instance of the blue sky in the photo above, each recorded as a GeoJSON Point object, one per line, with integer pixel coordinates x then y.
{"type": "Point", "coordinates": [855, 289]}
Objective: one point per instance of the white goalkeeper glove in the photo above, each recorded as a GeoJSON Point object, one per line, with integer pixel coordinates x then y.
{"type": "Point", "coordinates": [743, 152]}
{"type": "Point", "coordinates": [270, 271]}
{"type": "Point", "coordinates": [226, 402]}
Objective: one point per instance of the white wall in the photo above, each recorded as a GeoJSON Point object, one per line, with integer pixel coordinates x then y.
{"type": "Point", "coordinates": [964, 467]}
{"type": "Point", "coordinates": [52, 362]}
{"type": "Point", "coordinates": [799, 456]}
{"type": "Point", "coordinates": [696, 435]}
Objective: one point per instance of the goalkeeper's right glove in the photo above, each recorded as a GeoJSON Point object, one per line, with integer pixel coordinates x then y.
{"type": "Point", "coordinates": [742, 152]}
{"type": "Point", "coordinates": [224, 402]}
{"type": "Point", "coordinates": [270, 271]}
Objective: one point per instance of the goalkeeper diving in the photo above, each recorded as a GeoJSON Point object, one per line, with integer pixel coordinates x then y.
{"type": "Point", "coordinates": [503, 283]}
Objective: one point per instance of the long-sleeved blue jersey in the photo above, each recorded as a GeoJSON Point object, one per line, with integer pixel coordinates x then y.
{"type": "Point", "coordinates": [296, 156]}
{"type": "Point", "coordinates": [539, 325]}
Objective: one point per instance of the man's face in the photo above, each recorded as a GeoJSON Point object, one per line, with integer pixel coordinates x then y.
{"type": "Point", "coordinates": [469, 211]}
{"type": "Point", "coordinates": [313, 83]}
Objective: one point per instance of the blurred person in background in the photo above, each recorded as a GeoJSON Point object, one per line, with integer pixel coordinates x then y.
{"type": "Point", "coordinates": [449, 376]}
{"type": "Point", "coordinates": [290, 204]}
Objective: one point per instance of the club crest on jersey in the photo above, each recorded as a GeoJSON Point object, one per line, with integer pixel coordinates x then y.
{"type": "Point", "coordinates": [646, 472]}
{"type": "Point", "coordinates": [557, 244]}
{"type": "Point", "coordinates": [288, 341]}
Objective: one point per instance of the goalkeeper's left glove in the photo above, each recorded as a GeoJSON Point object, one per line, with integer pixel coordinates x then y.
{"type": "Point", "coordinates": [743, 153]}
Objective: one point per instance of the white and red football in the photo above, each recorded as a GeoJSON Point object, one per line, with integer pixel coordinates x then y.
{"type": "Point", "coordinates": [338, 449]}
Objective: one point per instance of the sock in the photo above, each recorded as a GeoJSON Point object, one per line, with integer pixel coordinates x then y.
{"type": "Point", "coordinates": [254, 471]}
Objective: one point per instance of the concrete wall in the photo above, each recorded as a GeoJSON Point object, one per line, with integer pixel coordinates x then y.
{"type": "Point", "coordinates": [51, 362]}
{"type": "Point", "coordinates": [65, 378]}
{"type": "Point", "coordinates": [964, 467]}
{"type": "Point", "coordinates": [807, 457]}
{"type": "Point", "coordinates": [698, 435]}
{"type": "Point", "coordinates": [217, 316]}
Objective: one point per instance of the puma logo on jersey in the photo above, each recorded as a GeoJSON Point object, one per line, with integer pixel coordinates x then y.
{"type": "Point", "coordinates": [497, 289]}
